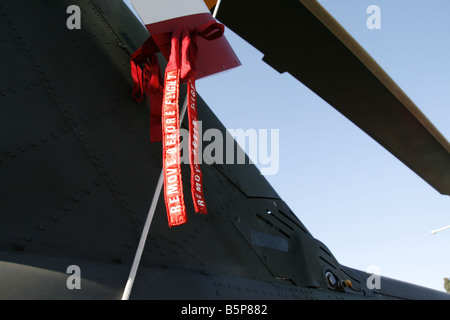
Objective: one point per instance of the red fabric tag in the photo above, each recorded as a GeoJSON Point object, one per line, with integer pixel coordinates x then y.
{"type": "Point", "coordinates": [173, 186]}
{"type": "Point", "coordinates": [196, 173]}
{"type": "Point", "coordinates": [147, 80]}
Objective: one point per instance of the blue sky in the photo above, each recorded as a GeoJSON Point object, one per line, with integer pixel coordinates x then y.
{"type": "Point", "coordinates": [353, 195]}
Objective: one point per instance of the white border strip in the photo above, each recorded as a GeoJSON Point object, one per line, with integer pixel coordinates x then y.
{"type": "Point", "coordinates": [152, 11]}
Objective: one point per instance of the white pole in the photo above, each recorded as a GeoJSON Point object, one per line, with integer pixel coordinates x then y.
{"type": "Point", "coordinates": [148, 222]}
{"type": "Point", "coordinates": [440, 229]}
{"type": "Point", "coordinates": [216, 9]}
